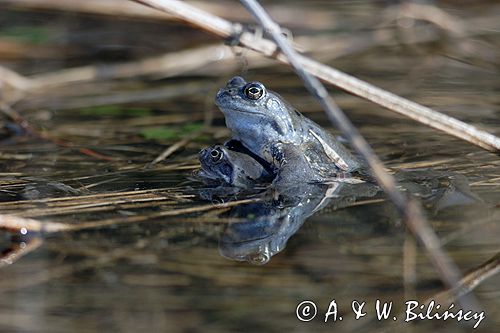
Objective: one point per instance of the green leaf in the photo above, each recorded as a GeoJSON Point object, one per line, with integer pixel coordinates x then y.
{"type": "Point", "coordinates": [159, 133]}
{"type": "Point", "coordinates": [171, 132]}
{"type": "Point", "coordinates": [34, 35]}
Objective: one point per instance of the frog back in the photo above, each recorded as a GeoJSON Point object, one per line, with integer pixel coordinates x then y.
{"type": "Point", "coordinates": [322, 149]}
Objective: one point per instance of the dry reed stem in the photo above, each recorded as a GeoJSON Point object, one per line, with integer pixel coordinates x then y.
{"type": "Point", "coordinates": [409, 209]}
{"type": "Point", "coordinates": [93, 197]}
{"type": "Point", "coordinates": [123, 97]}
{"type": "Point", "coordinates": [433, 14]}
{"type": "Point", "coordinates": [111, 205]}
{"type": "Point", "coordinates": [169, 64]}
{"type": "Point", "coordinates": [17, 223]}
{"type": "Point", "coordinates": [184, 61]}
{"type": "Point", "coordinates": [172, 212]}
{"type": "Point", "coordinates": [97, 7]}
{"type": "Point", "coordinates": [409, 265]}
{"type": "Point", "coordinates": [195, 59]}
{"type": "Point", "coordinates": [13, 79]}
{"type": "Point", "coordinates": [87, 204]}
{"type": "Point", "coordinates": [415, 111]}
{"type": "Point", "coordinates": [466, 285]}
{"type": "Point", "coordinates": [221, 58]}
{"type": "Point", "coordinates": [311, 18]}
{"type": "Point", "coordinates": [469, 282]}
{"type": "Point", "coordinates": [173, 148]}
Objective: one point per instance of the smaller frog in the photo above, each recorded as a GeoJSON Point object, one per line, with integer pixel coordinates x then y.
{"type": "Point", "coordinates": [232, 167]}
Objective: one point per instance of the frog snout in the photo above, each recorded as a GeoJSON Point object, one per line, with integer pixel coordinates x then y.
{"type": "Point", "coordinates": [223, 97]}
{"type": "Point", "coordinates": [203, 154]}
{"type": "Point", "coordinates": [219, 95]}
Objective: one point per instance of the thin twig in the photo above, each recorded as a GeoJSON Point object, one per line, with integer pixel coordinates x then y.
{"type": "Point", "coordinates": [123, 97]}
{"type": "Point", "coordinates": [72, 200]}
{"type": "Point", "coordinates": [466, 285]}
{"type": "Point", "coordinates": [109, 205]}
{"type": "Point", "coordinates": [23, 123]}
{"type": "Point", "coordinates": [16, 117]}
{"type": "Point", "coordinates": [409, 265]}
{"type": "Point", "coordinates": [470, 281]}
{"type": "Point", "coordinates": [408, 209]}
{"type": "Point", "coordinates": [205, 60]}
{"type": "Point", "coordinates": [168, 64]}
{"type": "Point", "coordinates": [173, 148]}
{"type": "Point", "coordinates": [116, 8]}
{"type": "Point", "coordinates": [23, 224]}
{"type": "Point", "coordinates": [151, 217]}
{"type": "Point", "coordinates": [415, 111]}
{"type": "Point", "coordinates": [197, 59]}
{"type": "Point", "coordinates": [433, 14]}
{"type": "Point", "coordinates": [19, 250]}
{"type": "Point", "coordinates": [13, 79]}
{"type": "Point", "coordinates": [17, 223]}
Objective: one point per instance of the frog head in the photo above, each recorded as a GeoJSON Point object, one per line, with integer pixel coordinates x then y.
{"type": "Point", "coordinates": [215, 164]}
{"type": "Point", "coordinates": [234, 168]}
{"type": "Point", "coordinates": [255, 115]}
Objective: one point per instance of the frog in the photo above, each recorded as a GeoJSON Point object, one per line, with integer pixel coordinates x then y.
{"type": "Point", "coordinates": [272, 129]}
{"type": "Point", "coordinates": [232, 167]}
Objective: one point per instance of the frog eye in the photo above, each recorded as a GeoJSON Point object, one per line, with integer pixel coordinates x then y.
{"type": "Point", "coordinates": [254, 90]}
{"type": "Point", "coordinates": [216, 155]}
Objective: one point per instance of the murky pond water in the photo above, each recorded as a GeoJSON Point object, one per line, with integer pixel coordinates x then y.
{"type": "Point", "coordinates": [126, 244]}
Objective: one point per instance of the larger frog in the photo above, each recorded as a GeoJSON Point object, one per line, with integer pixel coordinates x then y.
{"type": "Point", "coordinates": [265, 124]}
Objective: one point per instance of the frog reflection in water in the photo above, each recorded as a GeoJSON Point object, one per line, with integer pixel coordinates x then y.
{"type": "Point", "coordinates": [269, 127]}
{"type": "Point", "coordinates": [284, 207]}
{"type": "Point", "coordinates": [273, 220]}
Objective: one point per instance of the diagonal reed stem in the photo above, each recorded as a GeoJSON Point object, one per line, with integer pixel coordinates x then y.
{"type": "Point", "coordinates": [395, 103]}
{"type": "Point", "coordinates": [408, 208]}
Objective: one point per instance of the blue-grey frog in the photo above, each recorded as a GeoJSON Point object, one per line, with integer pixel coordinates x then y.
{"type": "Point", "coordinates": [232, 167]}
{"type": "Point", "coordinates": [269, 127]}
